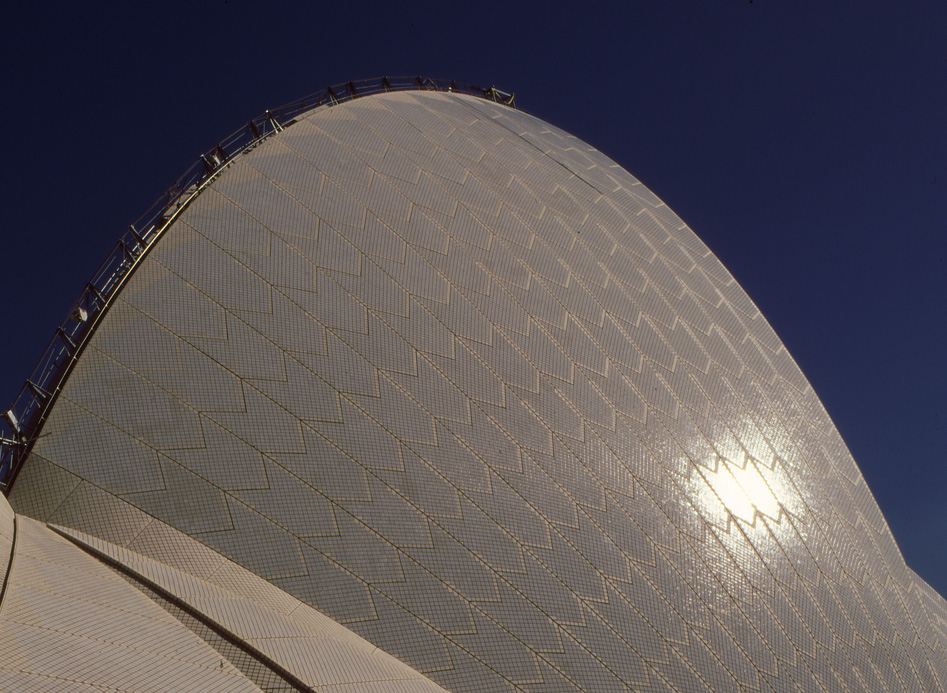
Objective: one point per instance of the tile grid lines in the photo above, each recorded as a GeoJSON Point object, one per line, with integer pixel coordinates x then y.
{"type": "Point", "coordinates": [141, 441]}
{"type": "Point", "coordinates": [332, 501]}
{"type": "Point", "coordinates": [155, 383]}
{"type": "Point", "coordinates": [138, 564]}
{"type": "Point", "coordinates": [338, 507]}
{"type": "Point", "coordinates": [474, 212]}
{"type": "Point", "coordinates": [404, 555]}
{"type": "Point", "coordinates": [899, 639]}
{"type": "Point", "coordinates": [750, 409]}
{"type": "Point", "coordinates": [578, 503]}
{"type": "Point", "coordinates": [734, 601]}
{"type": "Point", "coordinates": [738, 391]}
{"type": "Point", "coordinates": [826, 577]}
{"type": "Point", "coordinates": [448, 532]}
{"type": "Point", "coordinates": [608, 273]}
{"type": "Point", "coordinates": [913, 589]}
{"type": "Point", "coordinates": [603, 309]}
{"type": "Point", "coordinates": [289, 193]}
{"type": "Point", "coordinates": [523, 547]}
{"type": "Point", "coordinates": [828, 620]}
{"type": "Point", "coordinates": [812, 597]}
{"type": "Point", "coordinates": [646, 204]}
{"type": "Point", "coordinates": [576, 238]}
{"type": "Point", "coordinates": [910, 660]}
{"type": "Point", "coordinates": [381, 424]}
{"type": "Point", "coordinates": [801, 493]}
{"type": "Point", "coordinates": [749, 336]}
{"type": "Point", "coordinates": [589, 517]}
{"type": "Point", "coordinates": [778, 657]}
{"type": "Point", "coordinates": [501, 241]}
{"type": "Point", "coordinates": [936, 613]}
{"type": "Point", "coordinates": [854, 595]}
{"type": "Point", "coordinates": [872, 582]}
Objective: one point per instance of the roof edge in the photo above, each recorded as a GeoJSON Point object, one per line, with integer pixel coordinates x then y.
{"type": "Point", "coordinates": [21, 423]}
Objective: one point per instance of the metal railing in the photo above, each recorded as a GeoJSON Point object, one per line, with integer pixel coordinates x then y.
{"type": "Point", "coordinates": [21, 423]}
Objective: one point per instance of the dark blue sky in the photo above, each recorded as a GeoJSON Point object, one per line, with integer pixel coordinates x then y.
{"type": "Point", "coordinates": [804, 142]}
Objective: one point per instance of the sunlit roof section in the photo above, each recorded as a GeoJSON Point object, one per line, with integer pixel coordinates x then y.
{"type": "Point", "coordinates": [453, 379]}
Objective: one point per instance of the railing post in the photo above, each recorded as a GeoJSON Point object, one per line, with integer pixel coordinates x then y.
{"type": "Point", "coordinates": [66, 339]}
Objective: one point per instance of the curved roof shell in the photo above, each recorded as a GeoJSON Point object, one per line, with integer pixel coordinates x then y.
{"type": "Point", "coordinates": [457, 380]}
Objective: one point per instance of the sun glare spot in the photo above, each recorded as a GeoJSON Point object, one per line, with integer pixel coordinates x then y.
{"type": "Point", "coordinates": [745, 488]}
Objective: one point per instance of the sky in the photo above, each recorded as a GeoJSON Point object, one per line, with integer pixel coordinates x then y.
{"type": "Point", "coordinates": [804, 142]}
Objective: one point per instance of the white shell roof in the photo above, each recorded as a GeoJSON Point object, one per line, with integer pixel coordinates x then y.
{"type": "Point", "coordinates": [458, 381]}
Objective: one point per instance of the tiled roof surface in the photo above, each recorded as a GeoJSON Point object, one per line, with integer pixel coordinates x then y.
{"type": "Point", "coordinates": [456, 380]}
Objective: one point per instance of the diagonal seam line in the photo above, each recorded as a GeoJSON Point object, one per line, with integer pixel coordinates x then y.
{"type": "Point", "coordinates": [213, 625]}
{"type": "Point", "coordinates": [6, 577]}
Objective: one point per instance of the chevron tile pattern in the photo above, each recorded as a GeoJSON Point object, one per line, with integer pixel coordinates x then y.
{"type": "Point", "coordinates": [461, 383]}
